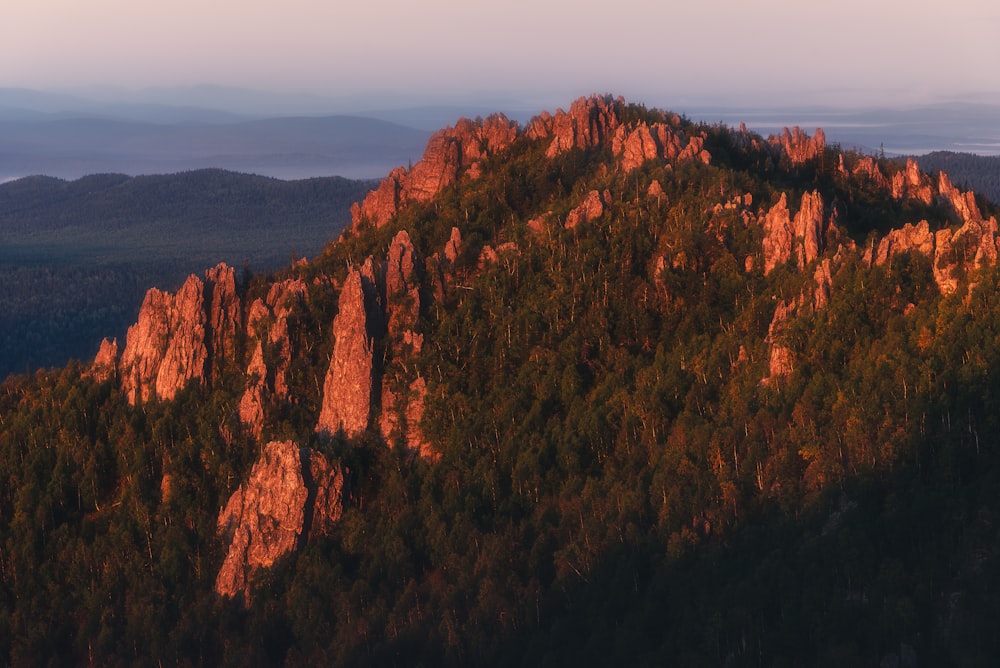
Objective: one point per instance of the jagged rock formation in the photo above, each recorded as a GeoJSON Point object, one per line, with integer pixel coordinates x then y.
{"type": "Point", "coordinates": [588, 123]}
{"type": "Point", "coordinates": [449, 154]}
{"type": "Point", "coordinates": [963, 204]}
{"type": "Point", "coordinates": [590, 209]}
{"type": "Point", "coordinates": [867, 168]}
{"type": "Point", "coordinates": [974, 243]}
{"type": "Point", "coordinates": [269, 323]}
{"type": "Point", "coordinates": [225, 317]}
{"type": "Point", "coordinates": [402, 283]}
{"type": "Point", "coordinates": [911, 183]}
{"type": "Point", "coordinates": [182, 337]}
{"type": "Point", "coordinates": [780, 361]}
{"type": "Point", "coordinates": [349, 387]}
{"type": "Point", "coordinates": [801, 237]}
{"type": "Point", "coordinates": [105, 366]}
{"type": "Point", "coordinates": [292, 493]}
{"type": "Point", "coordinates": [459, 151]}
{"type": "Point", "coordinates": [166, 347]}
{"type": "Point", "coordinates": [799, 146]}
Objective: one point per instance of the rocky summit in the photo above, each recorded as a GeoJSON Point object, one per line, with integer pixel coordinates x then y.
{"type": "Point", "coordinates": [610, 387]}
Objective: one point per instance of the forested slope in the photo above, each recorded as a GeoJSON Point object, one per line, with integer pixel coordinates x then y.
{"type": "Point", "coordinates": [629, 391]}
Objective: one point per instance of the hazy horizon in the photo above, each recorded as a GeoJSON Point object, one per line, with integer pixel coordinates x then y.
{"type": "Point", "coordinates": [444, 52]}
{"type": "Point", "coordinates": [898, 74]}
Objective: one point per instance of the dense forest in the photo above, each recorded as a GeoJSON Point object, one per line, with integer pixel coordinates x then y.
{"type": "Point", "coordinates": [76, 257]}
{"type": "Point", "coordinates": [619, 474]}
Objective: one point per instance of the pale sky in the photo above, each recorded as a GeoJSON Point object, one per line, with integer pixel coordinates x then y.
{"type": "Point", "coordinates": [658, 52]}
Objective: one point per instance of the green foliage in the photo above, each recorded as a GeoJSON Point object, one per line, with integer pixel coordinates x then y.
{"type": "Point", "coordinates": [615, 483]}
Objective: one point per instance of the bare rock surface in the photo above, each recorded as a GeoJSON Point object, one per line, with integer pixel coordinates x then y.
{"type": "Point", "coordinates": [291, 493]}
{"type": "Point", "coordinates": [166, 346]}
{"type": "Point", "coordinates": [590, 209]}
{"type": "Point", "coordinates": [798, 145]}
{"type": "Point", "coordinates": [105, 364]}
{"type": "Point", "coordinates": [800, 237]}
{"type": "Point", "coordinates": [450, 153]}
{"type": "Point", "coordinates": [348, 389]}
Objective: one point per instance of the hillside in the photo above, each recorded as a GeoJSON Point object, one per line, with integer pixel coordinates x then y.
{"type": "Point", "coordinates": [76, 257]}
{"type": "Point", "coordinates": [610, 388]}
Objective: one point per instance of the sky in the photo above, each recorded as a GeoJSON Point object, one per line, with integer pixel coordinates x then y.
{"type": "Point", "coordinates": [658, 52]}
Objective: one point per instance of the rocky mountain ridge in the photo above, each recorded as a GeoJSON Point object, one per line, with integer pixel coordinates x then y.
{"type": "Point", "coordinates": [370, 383]}
{"type": "Point", "coordinates": [556, 386]}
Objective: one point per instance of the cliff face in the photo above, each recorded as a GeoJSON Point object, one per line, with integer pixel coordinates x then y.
{"type": "Point", "coordinates": [801, 237]}
{"type": "Point", "coordinates": [349, 386]}
{"type": "Point", "coordinates": [378, 309]}
{"type": "Point", "coordinates": [798, 146]}
{"type": "Point", "coordinates": [292, 494]}
{"type": "Point", "coordinates": [180, 338]}
{"type": "Point", "coordinates": [224, 318]}
{"type": "Point", "coordinates": [166, 347]}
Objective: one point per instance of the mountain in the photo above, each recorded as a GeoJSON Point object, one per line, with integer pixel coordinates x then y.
{"type": "Point", "coordinates": [76, 257]}
{"type": "Point", "coordinates": [608, 388]}
{"type": "Point", "coordinates": [74, 146]}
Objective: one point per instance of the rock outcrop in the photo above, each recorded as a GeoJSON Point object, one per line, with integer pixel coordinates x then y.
{"type": "Point", "coordinates": [590, 209]}
{"type": "Point", "coordinates": [588, 123]}
{"type": "Point", "coordinates": [972, 245]}
{"type": "Point", "coordinates": [823, 284]}
{"type": "Point", "coordinates": [801, 237]}
{"type": "Point", "coordinates": [166, 347]}
{"type": "Point", "coordinates": [867, 168]}
{"type": "Point", "coordinates": [179, 338]}
{"type": "Point", "coordinates": [402, 404]}
{"type": "Point", "coordinates": [350, 381]}
{"type": "Point", "coordinates": [105, 364]}
{"type": "Point", "coordinates": [911, 183]}
{"type": "Point", "coordinates": [798, 146]}
{"type": "Point", "coordinates": [780, 359]}
{"type": "Point", "coordinates": [402, 284]}
{"type": "Point", "coordinates": [962, 204]}
{"type": "Point", "coordinates": [379, 309]}
{"type": "Point", "coordinates": [450, 153]}
{"type": "Point", "coordinates": [292, 493]}
{"type": "Point", "coordinates": [225, 318]}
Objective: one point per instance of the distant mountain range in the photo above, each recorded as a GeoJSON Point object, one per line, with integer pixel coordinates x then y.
{"type": "Point", "coordinates": [77, 256]}
{"type": "Point", "coordinates": [289, 148]}
{"type": "Point", "coordinates": [155, 131]}
{"type": "Point", "coordinates": [160, 131]}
